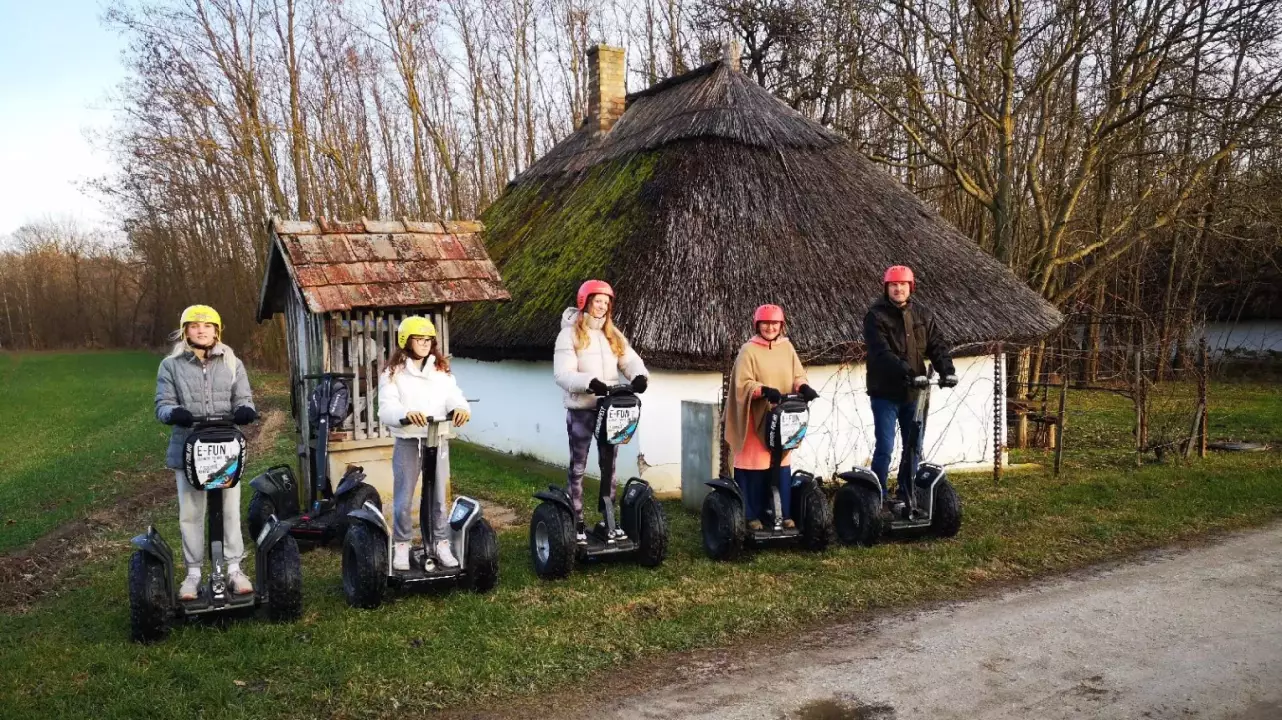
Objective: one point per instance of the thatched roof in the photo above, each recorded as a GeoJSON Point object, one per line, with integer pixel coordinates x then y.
{"type": "Point", "coordinates": [708, 197]}
{"type": "Point", "coordinates": [341, 265]}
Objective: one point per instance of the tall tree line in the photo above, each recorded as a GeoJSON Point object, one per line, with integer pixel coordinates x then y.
{"type": "Point", "coordinates": [1119, 156]}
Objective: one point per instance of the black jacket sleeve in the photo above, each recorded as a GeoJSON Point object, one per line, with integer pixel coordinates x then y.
{"type": "Point", "coordinates": [881, 358]}
{"type": "Point", "coordinates": [937, 348]}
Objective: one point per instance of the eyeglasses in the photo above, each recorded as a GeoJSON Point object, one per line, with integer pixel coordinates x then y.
{"type": "Point", "coordinates": [420, 339]}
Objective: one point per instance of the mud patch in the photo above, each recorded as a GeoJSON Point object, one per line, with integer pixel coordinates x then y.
{"type": "Point", "coordinates": [838, 709]}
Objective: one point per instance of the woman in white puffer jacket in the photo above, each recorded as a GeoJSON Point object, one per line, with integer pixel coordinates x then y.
{"type": "Point", "coordinates": [591, 355]}
{"type": "Point", "coordinates": [417, 385]}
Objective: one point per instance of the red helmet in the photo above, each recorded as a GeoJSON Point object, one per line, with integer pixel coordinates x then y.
{"type": "Point", "coordinates": [899, 273]}
{"type": "Point", "coordinates": [593, 287]}
{"type": "Point", "coordinates": [767, 313]}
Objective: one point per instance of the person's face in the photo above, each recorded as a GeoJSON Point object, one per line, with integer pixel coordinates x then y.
{"type": "Point", "coordinates": [201, 334]}
{"type": "Point", "coordinates": [598, 305]}
{"type": "Point", "coordinates": [419, 345]}
{"type": "Point", "coordinates": [898, 292]}
{"type": "Point", "coordinates": [770, 329]}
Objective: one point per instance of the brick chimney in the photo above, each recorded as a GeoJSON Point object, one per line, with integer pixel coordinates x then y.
{"type": "Point", "coordinates": [606, 89]}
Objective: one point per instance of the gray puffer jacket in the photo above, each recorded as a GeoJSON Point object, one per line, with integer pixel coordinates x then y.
{"type": "Point", "coordinates": [211, 387]}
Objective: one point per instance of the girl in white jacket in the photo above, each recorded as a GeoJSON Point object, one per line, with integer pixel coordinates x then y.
{"type": "Point", "coordinates": [417, 385]}
{"type": "Point", "coordinates": [591, 354]}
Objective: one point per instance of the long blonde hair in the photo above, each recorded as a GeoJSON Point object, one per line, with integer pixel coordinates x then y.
{"type": "Point", "coordinates": [179, 338]}
{"type": "Point", "coordinates": [618, 344]}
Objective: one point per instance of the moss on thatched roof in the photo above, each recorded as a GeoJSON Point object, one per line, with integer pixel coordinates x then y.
{"type": "Point", "coordinates": [708, 198]}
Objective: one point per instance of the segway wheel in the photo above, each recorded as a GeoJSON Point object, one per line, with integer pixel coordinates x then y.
{"type": "Point", "coordinates": [653, 544]}
{"type": "Point", "coordinates": [946, 519]}
{"type": "Point", "coordinates": [261, 508]}
{"type": "Point", "coordinates": [284, 581]}
{"type": "Point", "coordinates": [355, 501]}
{"type": "Point", "coordinates": [482, 557]}
{"type": "Point", "coordinates": [857, 515]}
{"type": "Point", "coordinates": [364, 567]}
{"type": "Point", "coordinates": [149, 609]}
{"type": "Point", "coordinates": [816, 523]}
{"type": "Point", "coordinates": [722, 525]}
{"type": "Point", "coordinates": [552, 541]}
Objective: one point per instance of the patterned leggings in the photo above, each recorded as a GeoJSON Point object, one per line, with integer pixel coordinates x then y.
{"type": "Point", "coordinates": [580, 424]}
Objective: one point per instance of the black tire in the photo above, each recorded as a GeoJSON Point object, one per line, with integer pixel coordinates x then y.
{"type": "Point", "coordinates": [149, 610]}
{"type": "Point", "coordinates": [364, 567]}
{"type": "Point", "coordinates": [857, 515]}
{"type": "Point", "coordinates": [355, 500]}
{"type": "Point", "coordinates": [552, 541]}
{"type": "Point", "coordinates": [946, 518]}
{"type": "Point", "coordinates": [261, 508]}
{"type": "Point", "coordinates": [722, 526]}
{"type": "Point", "coordinates": [284, 581]}
{"type": "Point", "coordinates": [653, 543]}
{"type": "Point", "coordinates": [482, 557]}
{"type": "Point", "coordinates": [816, 523]}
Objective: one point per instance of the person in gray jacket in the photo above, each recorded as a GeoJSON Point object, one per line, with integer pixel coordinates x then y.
{"type": "Point", "coordinates": [201, 376]}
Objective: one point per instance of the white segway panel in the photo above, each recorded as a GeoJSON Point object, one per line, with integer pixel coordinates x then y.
{"type": "Point", "coordinates": [214, 465]}
{"type": "Point", "coordinates": [792, 428]}
{"type": "Point", "coordinates": [617, 420]}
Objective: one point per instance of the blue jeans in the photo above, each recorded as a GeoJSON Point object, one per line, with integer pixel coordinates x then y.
{"type": "Point", "coordinates": [754, 485]}
{"type": "Point", "coordinates": [885, 413]}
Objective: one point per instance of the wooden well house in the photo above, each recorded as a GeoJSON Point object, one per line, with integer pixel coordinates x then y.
{"type": "Point", "coordinates": [343, 288]}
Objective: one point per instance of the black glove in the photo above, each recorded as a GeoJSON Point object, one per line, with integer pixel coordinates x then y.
{"type": "Point", "coordinates": [948, 381]}
{"type": "Point", "coordinates": [596, 387]}
{"type": "Point", "coordinates": [921, 381]}
{"type": "Point", "coordinates": [808, 393]}
{"type": "Point", "coordinates": [640, 383]}
{"type": "Point", "coordinates": [769, 393]}
{"type": "Point", "coordinates": [181, 417]}
{"type": "Point", "coordinates": [244, 415]}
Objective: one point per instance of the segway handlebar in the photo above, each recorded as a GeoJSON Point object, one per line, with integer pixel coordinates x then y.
{"type": "Point", "coordinates": [219, 419]}
{"type": "Point", "coordinates": [449, 417]}
{"type": "Point", "coordinates": [785, 397]}
{"type": "Point", "coordinates": [324, 375]}
{"type": "Point", "coordinates": [924, 381]}
{"type": "Point", "coordinates": [613, 390]}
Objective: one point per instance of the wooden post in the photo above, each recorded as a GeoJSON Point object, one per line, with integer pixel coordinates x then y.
{"type": "Point", "coordinates": [1059, 424]}
{"type": "Point", "coordinates": [1202, 381]}
{"type": "Point", "coordinates": [1139, 408]}
{"type": "Point", "coordinates": [999, 421]}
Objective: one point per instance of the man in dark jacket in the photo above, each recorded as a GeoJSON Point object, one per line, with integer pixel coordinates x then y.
{"type": "Point", "coordinates": [900, 335]}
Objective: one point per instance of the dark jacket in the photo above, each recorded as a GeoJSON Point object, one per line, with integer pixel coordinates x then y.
{"type": "Point", "coordinates": [893, 357]}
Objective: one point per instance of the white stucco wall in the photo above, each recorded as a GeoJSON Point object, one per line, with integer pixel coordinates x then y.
{"type": "Point", "coordinates": [520, 411]}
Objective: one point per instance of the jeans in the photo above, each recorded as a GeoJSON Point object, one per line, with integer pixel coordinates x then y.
{"type": "Point", "coordinates": [754, 485]}
{"type": "Point", "coordinates": [885, 413]}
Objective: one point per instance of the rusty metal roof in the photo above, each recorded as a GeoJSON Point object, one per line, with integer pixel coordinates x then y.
{"type": "Point", "coordinates": [339, 265]}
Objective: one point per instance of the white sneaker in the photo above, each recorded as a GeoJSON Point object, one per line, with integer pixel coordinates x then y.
{"type": "Point", "coordinates": [191, 584]}
{"type": "Point", "coordinates": [401, 556]}
{"type": "Point", "coordinates": [240, 584]}
{"type": "Point", "coordinates": [445, 555]}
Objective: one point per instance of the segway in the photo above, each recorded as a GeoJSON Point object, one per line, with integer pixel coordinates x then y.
{"type": "Point", "coordinates": [932, 508]}
{"type": "Point", "coordinates": [722, 523]}
{"type": "Point", "coordinates": [213, 458]}
{"type": "Point", "coordinates": [367, 547]}
{"type": "Point", "coordinates": [643, 536]}
{"type": "Point", "coordinates": [322, 517]}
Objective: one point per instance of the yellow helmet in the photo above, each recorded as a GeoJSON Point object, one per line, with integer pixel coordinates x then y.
{"type": "Point", "coordinates": [414, 325]}
{"type": "Point", "coordinates": [201, 313]}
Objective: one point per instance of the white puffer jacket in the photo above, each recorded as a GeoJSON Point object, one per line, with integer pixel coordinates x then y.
{"type": "Point", "coordinates": [573, 369]}
{"type": "Point", "coordinates": [426, 390]}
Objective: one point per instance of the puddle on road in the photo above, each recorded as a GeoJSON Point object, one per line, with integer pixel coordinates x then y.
{"type": "Point", "coordinates": [835, 709]}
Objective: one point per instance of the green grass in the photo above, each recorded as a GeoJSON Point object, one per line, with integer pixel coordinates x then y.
{"type": "Point", "coordinates": [76, 432]}
{"type": "Point", "coordinates": [70, 654]}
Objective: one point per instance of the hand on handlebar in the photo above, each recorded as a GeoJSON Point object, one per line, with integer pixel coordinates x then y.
{"type": "Point", "coordinates": [181, 417]}
{"type": "Point", "coordinates": [416, 418]}
{"type": "Point", "coordinates": [919, 382]}
{"type": "Point", "coordinates": [948, 381]}
{"type": "Point", "coordinates": [461, 417]}
{"type": "Point", "coordinates": [596, 387]}
{"type": "Point", "coordinates": [774, 396]}
{"type": "Point", "coordinates": [807, 392]}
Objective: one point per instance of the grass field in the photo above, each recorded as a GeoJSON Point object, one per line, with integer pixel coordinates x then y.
{"type": "Point", "coordinates": [70, 656]}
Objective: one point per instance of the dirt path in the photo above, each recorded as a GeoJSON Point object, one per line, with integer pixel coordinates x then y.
{"type": "Point", "coordinates": [43, 567]}
{"type": "Point", "coordinates": [1192, 633]}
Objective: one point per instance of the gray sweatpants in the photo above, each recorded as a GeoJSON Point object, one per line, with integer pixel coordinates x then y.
{"type": "Point", "coordinates": [191, 521]}
{"type": "Point", "coordinates": [405, 472]}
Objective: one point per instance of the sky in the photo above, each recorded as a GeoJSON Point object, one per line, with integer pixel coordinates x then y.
{"type": "Point", "coordinates": [58, 65]}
